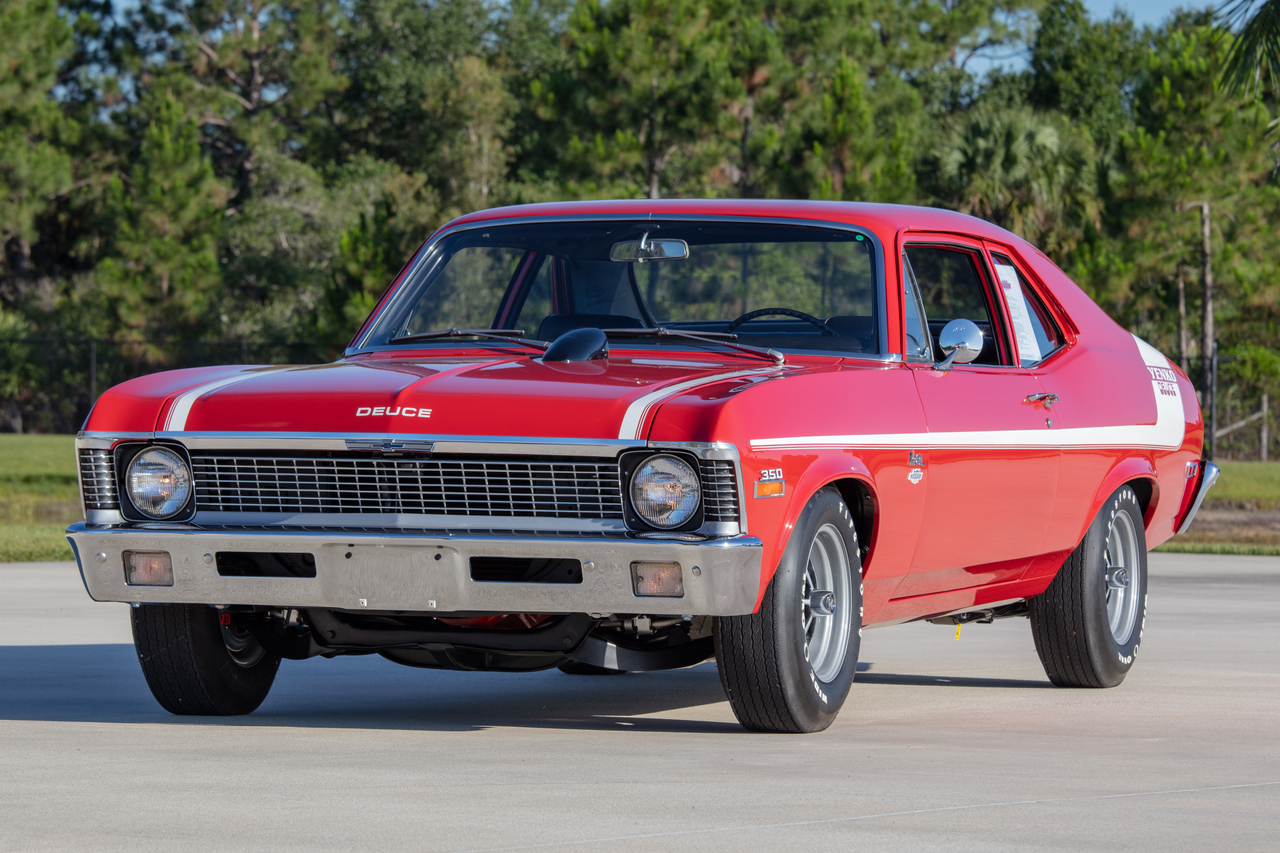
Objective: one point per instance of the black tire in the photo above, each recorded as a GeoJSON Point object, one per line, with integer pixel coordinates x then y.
{"type": "Point", "coordinates": [575, 667]}
{"type": "Point", "coordinates": [764, 665]}
{"type": "Point", "coordinates": [1070, 621]}
{"type": "Point", "coordinates": [189, 663]}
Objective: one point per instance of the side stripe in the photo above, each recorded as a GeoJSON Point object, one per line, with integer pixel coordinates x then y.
{"type": "Point", "coordinates": [638, 411]}
{"type": "Point", "coordinates": [1166, 433]}
{"type": "Point", "coordinates": [176, 420]}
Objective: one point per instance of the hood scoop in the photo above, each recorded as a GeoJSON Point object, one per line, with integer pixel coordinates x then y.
{"type": "Point", "coordinates": [578, 345]}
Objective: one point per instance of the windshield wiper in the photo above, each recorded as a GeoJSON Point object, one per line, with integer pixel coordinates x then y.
{"type": "Point", "coordinates": [722, 338]}
{"type": "Point", "coordinates": [515, 336]}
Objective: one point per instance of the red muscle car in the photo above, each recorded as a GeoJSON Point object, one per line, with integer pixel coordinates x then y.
{"type": "Point", "coordinates": [634, 435]}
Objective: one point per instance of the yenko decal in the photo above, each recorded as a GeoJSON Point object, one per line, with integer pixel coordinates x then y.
{"type": "Point", "coordinates": [392, 411]}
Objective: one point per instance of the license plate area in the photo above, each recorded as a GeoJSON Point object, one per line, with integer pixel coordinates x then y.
{"type": "Point", "coordinates": [526, 570]}
{"type": "Point", "coordinates": [265, 564]}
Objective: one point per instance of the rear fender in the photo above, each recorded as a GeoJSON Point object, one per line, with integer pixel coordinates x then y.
{"type": "Point", "coordinates": [1132, 468]}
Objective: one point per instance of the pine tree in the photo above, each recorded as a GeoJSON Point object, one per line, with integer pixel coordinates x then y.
{"type": "Point", "coordinates": [166, 266]}
{"type": "Point", "coordinates": [34, 164]}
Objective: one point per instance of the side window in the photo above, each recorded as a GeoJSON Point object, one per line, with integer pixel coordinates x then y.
{"type": "Point", "coordinates": [951, 288]}
{"type": "Point", "coordinates": [919, 344]}
{"type": "Point", "coordinates": [1033, 326]}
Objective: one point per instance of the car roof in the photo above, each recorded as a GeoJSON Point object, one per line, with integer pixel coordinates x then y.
{"type": "Point", "coordinates": [884, 219]}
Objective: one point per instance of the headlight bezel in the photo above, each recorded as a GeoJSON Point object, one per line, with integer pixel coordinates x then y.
{"type": "Point", "coordinates": [631, 463]}
{"type": "Point", "coordinates": [126, 455]}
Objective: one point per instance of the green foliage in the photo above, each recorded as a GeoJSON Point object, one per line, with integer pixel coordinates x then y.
{"type": "Point", "coordinates": [1085, 69]}
{"type": "Point", "coordinates": [31, 458]}
{"type": "Point", "coordinates": [21, 543]}
{"type": "Point", "coordinates": [645, 75]}
{"type": "Point", "coordinates": [1029, 172]}
{"type": "Point", "coordinates": [855, 157]}
{"type": "Point", "coordinates": [237, 174]}
{"type": "Point", "coordinates": [166, 268]}
{"type": "Point", "coordinates": [1255, 57]}
{"type": "Point", "coordinates": [35, 166]}
{"type": "Point", "coordinates": [1248, 483]}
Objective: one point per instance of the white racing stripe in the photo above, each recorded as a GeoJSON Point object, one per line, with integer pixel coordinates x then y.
{"type": "Point", "coordinates": [176, 421]}
{"type": "Point", "coordinates": [634, 419]}
{"type": "Point", "coordinates": [1166, 433]}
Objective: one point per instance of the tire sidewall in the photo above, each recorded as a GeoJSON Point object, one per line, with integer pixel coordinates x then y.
{"type": "Point", "coordinates": [242, 686]}
{"type": "Point", "coordinates": [188, 666]}
{"type": "Point", "coordinates": [1113, 659]}
{"type": "Point", "coordinates": [815, 704]}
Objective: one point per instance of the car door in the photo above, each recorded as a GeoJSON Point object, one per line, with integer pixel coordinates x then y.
{"type": "Point", "coordinates": [990, 467]}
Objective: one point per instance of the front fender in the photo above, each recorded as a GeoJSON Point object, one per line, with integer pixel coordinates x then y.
{"type": "Point", "coordinates": [822, 472]}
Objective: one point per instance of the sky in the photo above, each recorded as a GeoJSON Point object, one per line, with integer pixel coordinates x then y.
{"type": "Point", "coordinates": [1143, 12]}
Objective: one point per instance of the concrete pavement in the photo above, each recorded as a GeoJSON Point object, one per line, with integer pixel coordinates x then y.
{"type": "Point", "coordinates": [943, 745]}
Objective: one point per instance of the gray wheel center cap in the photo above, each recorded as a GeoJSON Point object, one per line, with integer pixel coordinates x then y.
{"type": "Point", "coordinates": [822, 602]}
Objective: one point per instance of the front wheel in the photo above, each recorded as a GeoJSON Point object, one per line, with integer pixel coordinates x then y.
{"type": "Point", "coordinates": [196, 665]}
{"type": "Point", "coordinates": [788, 667]}
{"type": "Point", "coordinates": [1087, 625]}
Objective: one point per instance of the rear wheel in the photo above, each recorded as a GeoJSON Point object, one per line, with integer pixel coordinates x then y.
{"type": "Point", "coordinates": [788, 667]}
{"type": "Point", "coordinates": [1088, 624]}
{"type": "Point", "coordinates": [196, 665]}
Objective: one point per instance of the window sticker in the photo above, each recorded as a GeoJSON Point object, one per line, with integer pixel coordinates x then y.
{"type": "Point", "coordinates": [1019, 314]}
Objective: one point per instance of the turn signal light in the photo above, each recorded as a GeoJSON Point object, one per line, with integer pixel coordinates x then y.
{"type": "Point", "coordinates": [770, 489]}
{"type": "Point", "coordinates": [148, 568]}
{"type": "Point", "coordinates": [663, 580]}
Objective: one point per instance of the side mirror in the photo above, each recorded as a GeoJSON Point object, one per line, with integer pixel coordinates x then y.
{"type": "Point", "coordinates": [961, 342]}
{"type": "Point", "coordinates": [644, 249]}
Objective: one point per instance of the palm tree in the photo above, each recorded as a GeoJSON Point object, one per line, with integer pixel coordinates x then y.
{"type": "Point", "coordinates": [1028, 172]}
{"type": "Point", "coordinates": [1256, 51]}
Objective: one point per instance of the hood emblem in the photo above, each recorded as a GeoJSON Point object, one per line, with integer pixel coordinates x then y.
{"type": "Point", "coordinates": [391, 445]}
{"type": "Point", "coordinates": [402, 411]}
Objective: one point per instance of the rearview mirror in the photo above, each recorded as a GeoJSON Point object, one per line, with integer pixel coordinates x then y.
{"type": "Point", "coordinates": [644, 249]}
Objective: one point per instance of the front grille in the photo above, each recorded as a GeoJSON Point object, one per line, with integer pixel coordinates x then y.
{"type": "Point", "coordinates": [719, 490]}
{"type": "Point", "coordinates": [533, 488]}
{"type": "Point", "coordinates": [98, 479]}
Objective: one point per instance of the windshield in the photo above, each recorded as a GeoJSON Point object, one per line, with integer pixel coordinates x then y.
{"type": "Point", "coordinates": [724, 277]}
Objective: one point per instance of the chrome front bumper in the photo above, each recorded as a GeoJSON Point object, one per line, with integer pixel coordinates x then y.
{"type": "Point", "coordinates": [427, 572]}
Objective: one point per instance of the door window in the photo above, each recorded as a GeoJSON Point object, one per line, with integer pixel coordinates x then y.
{"type": "Point", "coordinates": [951, 288]}
{"type": "Point", "coordinates": [919, 344]}
{"type": "Point", "coordinates": [1033, 327]}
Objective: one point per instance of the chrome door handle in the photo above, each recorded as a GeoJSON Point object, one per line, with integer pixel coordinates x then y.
{"type": "Point", "coordinates": [1047, 399]}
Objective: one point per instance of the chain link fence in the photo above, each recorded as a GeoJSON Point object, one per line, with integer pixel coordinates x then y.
{"type": "Point", "coordinates": [48, 384]}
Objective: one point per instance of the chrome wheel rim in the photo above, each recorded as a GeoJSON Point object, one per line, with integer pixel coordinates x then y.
{"type": "Point", "coordinates": [243, 647]}
{"type": "Point", "coordinates": [1123, 577]}
{"type": "Point", "coordinates": [826, 604]}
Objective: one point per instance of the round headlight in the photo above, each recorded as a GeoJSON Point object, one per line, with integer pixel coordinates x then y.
{"type": "Point", "coordinates": [664, 491]}
{"type": "Point", "coordinates": [159, 482]}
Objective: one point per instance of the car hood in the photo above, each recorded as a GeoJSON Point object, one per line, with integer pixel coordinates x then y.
{"type": "Point", "coordinates": [463, 396]}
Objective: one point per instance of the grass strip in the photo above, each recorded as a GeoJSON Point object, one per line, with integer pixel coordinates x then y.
{"type": "Point", "coordinates": [37, 458]}
{"type": "Point", "coordinates": [1235, 548]}
{"type": "Point", "coordinates": [29, 543]}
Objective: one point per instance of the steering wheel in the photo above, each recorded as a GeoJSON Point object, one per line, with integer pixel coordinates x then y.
{"type": "Point", "coordinates": [787, 312]}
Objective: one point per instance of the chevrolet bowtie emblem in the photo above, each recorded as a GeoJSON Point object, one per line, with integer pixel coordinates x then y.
{"type": "Point", "coordinates": [391, 445]}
